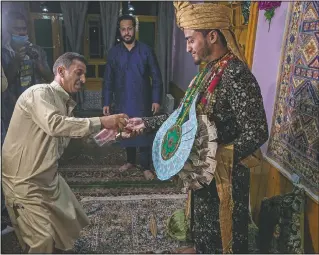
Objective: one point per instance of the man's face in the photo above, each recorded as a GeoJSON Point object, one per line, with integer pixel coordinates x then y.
{"type": "Point", "coordinates": [73, 78]}
{"type": "Point", "coordinates": [127, 31]}
{"type": "Point", "coordinates": [19, 27]}
{"type": "Point", "coordinates": [197, 45]}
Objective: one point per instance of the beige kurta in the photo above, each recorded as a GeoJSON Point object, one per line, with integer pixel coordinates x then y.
{"type": "Point", "coordinates": [40, 202]}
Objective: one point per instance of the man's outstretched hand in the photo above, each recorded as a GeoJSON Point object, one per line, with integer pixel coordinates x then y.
{"type": "Point", "coordinates": [116, 121]}
{"type": "Point", "coordinates": [120, 126]}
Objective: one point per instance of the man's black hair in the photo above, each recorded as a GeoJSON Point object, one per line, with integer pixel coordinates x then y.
{"type": "Point", "coordinates": [205, 32]}
{"type": "Point", "coordinates": [126, 17]}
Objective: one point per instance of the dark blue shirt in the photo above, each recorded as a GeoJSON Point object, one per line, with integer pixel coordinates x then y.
{"type": "Point", "coordinates": [132, 80]}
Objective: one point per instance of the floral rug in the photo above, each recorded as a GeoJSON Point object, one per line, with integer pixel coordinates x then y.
{"type": "Point", "coordinates": [92, 171]}
{"type": "Point", "coordinates": [124, 226]}
{"type": "Point", "coordinates": [119, 205]}
{"type": "Point", "coordinates": [294, 139]}
{"type": "Point", "coordinates": [127, 213]}
{"type": "Point", "coordinates": [81, 152]}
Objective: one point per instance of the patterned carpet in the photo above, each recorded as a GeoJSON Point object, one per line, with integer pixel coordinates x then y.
{"type": "Point", "coordinates": [124, 226]}
{"type": "Point", "coordinates": [119, 205]}
{"type": "Point", "coordinates": [294, 139]}
{"type": "Point", "coordinates": [121, 226]}
{"type": "Point", "coordinates": [92, 171]}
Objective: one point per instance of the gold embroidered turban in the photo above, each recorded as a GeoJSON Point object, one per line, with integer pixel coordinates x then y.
{"type": "Point", "coordinates": [208, 16]}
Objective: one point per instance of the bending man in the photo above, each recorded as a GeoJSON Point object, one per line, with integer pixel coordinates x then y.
{"type": "Point", "coordinates": [44, 212]}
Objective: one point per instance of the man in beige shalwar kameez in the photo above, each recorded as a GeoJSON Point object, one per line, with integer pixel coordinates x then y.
{"type": "Point", "coordinates": [44, 212]}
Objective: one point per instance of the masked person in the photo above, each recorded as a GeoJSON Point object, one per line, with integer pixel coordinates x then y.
{"type": "Point", "coordinates": [212, 139]}
{"type": "Point", "coordinates": [24, 64]}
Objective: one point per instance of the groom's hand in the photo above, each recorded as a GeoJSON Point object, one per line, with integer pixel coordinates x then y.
{"type": "Point", "coordinates": [134, 127]}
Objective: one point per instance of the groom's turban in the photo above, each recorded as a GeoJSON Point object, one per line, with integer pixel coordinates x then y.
{"type": "Point", "coordinates": [208, 16]}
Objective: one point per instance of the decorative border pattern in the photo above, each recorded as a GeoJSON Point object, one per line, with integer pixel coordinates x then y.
{"type": "Point", "coordinates": [294, 139]}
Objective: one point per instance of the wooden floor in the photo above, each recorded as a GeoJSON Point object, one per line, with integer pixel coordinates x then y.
{"type": "Point", "coordinates": [267, 181]}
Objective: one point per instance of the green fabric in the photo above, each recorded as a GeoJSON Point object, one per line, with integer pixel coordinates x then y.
{"type": "Point", "coordinates": [178, 226]}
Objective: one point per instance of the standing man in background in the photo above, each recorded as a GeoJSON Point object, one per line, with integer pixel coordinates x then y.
{"type": "Point", "coordinates": [133, 77]}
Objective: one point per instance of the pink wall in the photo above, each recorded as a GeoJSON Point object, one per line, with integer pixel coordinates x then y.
{"type": "Point", "coordinates": [267, 56]}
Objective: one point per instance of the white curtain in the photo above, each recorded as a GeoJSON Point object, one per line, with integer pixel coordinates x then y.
{"type": "Point", "coordinates": [74, 14]}
{"type": "Point", "coordinates": [165, 22]}
{"type": "Point", "coordinates": [109, 15]}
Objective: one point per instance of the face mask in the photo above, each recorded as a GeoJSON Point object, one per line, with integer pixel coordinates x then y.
{"type": "Point", "coordinates": [19, 39]}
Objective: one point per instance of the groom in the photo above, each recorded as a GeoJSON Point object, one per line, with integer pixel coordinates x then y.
{"type": "Point", "coordinates": [235, 105]}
